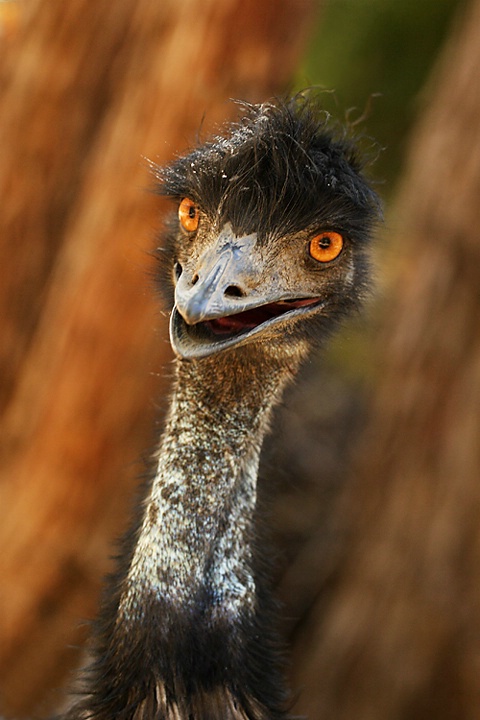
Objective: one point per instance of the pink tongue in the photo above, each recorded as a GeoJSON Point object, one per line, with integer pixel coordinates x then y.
{"type": "Point", "coordinates": [251, 318]}
{"type": "Point", "coordinates": [301, 303]}
{"type": "Point", "coordinates": [235, 323]}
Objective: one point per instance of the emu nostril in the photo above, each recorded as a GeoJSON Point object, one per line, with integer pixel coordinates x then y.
{"type": "Point", "coordinates": [195, 279]}
{"type": "Point", "coordinates": [233, 291]}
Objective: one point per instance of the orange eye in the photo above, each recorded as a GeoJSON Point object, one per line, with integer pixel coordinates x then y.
{"type": "Point", "coordinates": [326, 246]}
{"type": "Point", "coordinates": [188, 215]}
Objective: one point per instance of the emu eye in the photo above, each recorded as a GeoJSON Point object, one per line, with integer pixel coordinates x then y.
{"type": "Point", "coordinates": [326, 247]}
{"type": "Point", "coordinates": [188, 215]}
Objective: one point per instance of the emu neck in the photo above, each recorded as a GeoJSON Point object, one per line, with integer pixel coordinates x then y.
{"type": "Point", "coordinates": [194, 547]}
{"type": "Point", "coordinates": [187, 632]}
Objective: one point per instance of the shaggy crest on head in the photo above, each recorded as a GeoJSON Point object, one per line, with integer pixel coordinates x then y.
{"type": "Point", "coordinates": [267, 249]}
{"type": "Point", "coordinates": [269, 174]}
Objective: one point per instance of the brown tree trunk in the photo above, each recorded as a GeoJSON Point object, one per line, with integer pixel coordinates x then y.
{"type": "Point", "coordinates": [87, 89]}
{"type": "Point", "coordinates": [400, 638]}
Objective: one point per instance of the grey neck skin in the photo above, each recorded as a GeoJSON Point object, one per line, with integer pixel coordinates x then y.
{"type": "Point", "coordinates": [195, 539]}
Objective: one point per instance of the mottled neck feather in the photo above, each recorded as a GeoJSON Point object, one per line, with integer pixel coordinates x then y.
{"type": "Point", "coordinates": [195, 540]}
{"type": "Point", "coordinates": [191, 636]}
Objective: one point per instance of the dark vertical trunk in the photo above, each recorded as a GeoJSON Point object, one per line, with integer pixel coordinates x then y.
{"type": "Point", "coordinates": [400, 636]}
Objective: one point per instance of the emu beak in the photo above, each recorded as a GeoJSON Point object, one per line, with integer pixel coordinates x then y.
{"type": "Point", "coordinates": [221, 283]}
{"type": "Point", "coordinates": [223, 300]}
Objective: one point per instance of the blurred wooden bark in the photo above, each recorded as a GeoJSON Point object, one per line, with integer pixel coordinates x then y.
{"type": "Point", "coordinates": [398, 636]}
{"type": "Point", "coordinates": [87, 88]}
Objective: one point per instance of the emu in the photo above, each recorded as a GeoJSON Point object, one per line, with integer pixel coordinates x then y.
{"type": "Point", "coordinates": [266, 252]}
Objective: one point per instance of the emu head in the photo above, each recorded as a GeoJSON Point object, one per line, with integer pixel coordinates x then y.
{"type": "Point", "coordinates": [269, 242]}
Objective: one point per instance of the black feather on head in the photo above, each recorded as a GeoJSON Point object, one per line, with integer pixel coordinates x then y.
{"type": "Point", "coordinates": [273, 171]}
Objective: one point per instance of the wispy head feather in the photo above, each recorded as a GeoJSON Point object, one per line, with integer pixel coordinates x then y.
{"type": "Point", "coordinates": [273, 171]}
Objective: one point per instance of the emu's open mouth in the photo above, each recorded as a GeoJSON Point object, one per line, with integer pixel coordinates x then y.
{"type": "Point", "coordinates": [233, 324]}
{"type": "Point", "coordinates": [210, 336]}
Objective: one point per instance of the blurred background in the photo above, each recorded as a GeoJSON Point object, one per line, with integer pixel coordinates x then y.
{"type": "Point", "coordinates": [371, 475]}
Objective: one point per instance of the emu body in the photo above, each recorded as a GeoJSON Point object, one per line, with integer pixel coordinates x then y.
{"type": "Point", "coordinates": [267, 252]}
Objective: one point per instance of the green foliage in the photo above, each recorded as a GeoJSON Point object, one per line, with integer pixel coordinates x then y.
{"type": "Point", "coordinates": [364, 47]}
{"type": "Point", "coordinates": [373, 57]}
